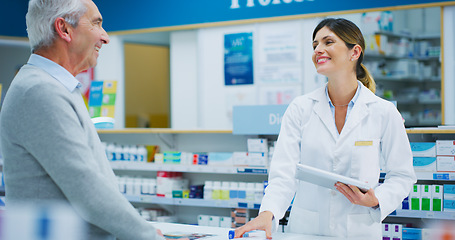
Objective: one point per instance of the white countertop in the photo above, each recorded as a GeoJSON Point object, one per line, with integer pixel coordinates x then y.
{"type": "Point", "coordinates": [222, 233]}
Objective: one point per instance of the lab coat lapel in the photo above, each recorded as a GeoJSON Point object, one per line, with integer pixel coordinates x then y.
{"type": "Point", "coordinates": [359, 111]}
{"type": "Point", "coordinates": [322, 109]}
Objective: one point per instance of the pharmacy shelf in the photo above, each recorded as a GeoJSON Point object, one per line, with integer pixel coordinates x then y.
{"type": "Point", "coordinates": [432, 176]}
{"type": "Point", "coordinates": [144, 166]}
{"type": "Point", "coordinates": [192, 202]}
{"type": "Point", "coordinates": [431, 130]}
{"type": "Point", "coordinates": [423, 214]}
{"type": "Point", "coordinates": [157, 130]}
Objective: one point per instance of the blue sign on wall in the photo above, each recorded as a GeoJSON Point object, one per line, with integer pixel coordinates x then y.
{"type": "Point", "coordinates": [258, 119]}
{"type": "Point", "coordinates": [120, 15]}
{"type": "Point", "coordinates": [238, 58]}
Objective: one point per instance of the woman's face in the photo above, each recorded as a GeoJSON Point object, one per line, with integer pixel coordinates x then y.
{"type": "Point", "coordinates": [330, 55]}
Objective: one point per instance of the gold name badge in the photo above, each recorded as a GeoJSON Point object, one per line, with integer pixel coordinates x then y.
{"type": "Point", "coordinates": [363, 143]}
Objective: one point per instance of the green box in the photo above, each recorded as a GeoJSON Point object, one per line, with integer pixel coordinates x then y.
{"type": "Point", "coordinates": [415, 204]}
{"type": "Point", "coordinates": [426, 204]}
{"type": "Point", "coordinates": [437, 205]}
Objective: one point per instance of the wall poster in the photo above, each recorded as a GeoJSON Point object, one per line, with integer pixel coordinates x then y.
{"type": "Point", "coordinates": [238, 59]}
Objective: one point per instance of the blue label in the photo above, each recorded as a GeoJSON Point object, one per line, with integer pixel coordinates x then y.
{"type": "Point", "coordinates": [258, 119]}
{"type": "Point", "coordinates": [423, 161]}
{"type": "Point", "coordinates": [441, 176]}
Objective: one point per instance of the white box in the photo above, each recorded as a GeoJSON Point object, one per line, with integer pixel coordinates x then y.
{"type": "Point", "coordinates": [437, 193]}
{"type": "Point", "coordinates": [240, 158]}
{"type": "Point", "coordinates": [424, 164]}
{"type": "Point", "coordinates": [445, 164]}
{"type": "Point", "coordinates": [428, 234]}
{"type": "Point", "coordinates": [423, 149]}
{"type": "Point", "coordinates": [225, 222]}
{"type": "Point", "coordinates": [214, 221]}
{"type": "Point", "coordinates": [257, 145]}
{"type": "Point", "coordinates": [415, 198]}
{"type": "Point", "coordinates": [203, 220]}
{"type": "Point", "coordinates": [386, 231]}
{"type": "Point", "coordinates": [257, 159]}
{"type": "Point", "coordinates": [396, 231]}
{"type": "Point", "coordinates": [445, 147]}
{"type": "Point", "coordinates": [425, 198]}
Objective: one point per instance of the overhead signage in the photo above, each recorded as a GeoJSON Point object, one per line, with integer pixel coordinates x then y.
{"type": "Point", "coordinates": [120, 15]}
{"type": "Point", "coordinates": [257, 119]}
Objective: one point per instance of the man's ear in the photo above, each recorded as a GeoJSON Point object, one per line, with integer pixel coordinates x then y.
{"type": "Point", "coordinates": [63, 29]}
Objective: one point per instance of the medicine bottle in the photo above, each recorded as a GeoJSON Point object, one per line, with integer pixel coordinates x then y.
{"type": "Point", "coordinates": [208, 189]}
{"type": "Point", "coordinates": [225, 191]}
{"type": "Point", "coordinates": [250, 188]}
{"type": "Point", "coordinates": [216, 192]}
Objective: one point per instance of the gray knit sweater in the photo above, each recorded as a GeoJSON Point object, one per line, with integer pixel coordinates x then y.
{"type": "Point", "coordinates": [52, 152]}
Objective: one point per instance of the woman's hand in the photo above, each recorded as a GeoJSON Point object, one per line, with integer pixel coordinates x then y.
{"type": "Point", "coordinates": [355, 196]}
{"type": "Point", "coordinates": [262, 222]}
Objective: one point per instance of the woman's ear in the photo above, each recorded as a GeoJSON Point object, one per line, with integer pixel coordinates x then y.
{"type": "Point", "coordinates": [356, 52]}
{"type": "Point", "coordinates": [63, 29]}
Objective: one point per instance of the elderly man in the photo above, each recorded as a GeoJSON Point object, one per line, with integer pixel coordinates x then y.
{"type": "Point", "coordinates": [50, 146]}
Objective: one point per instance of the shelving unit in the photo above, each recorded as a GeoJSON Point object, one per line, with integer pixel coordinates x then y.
{"type": "Point", "coordinates": [208, 140]}
{"type": "Point", "coordinates": [193, 202]}
{"type": "Point", "coordinates": [141, 166]}
{"type": "Point", "coordinates": [416, 84]}
{"type": "Point", "coordinates": [188, 141]}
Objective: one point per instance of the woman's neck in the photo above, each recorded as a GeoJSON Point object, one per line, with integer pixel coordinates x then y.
{"type": "Point", "coordinates": [342, 90]}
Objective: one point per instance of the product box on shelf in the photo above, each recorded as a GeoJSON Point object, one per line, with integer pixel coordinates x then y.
{"type": "Point", "coordinates": [220, 159]}
{"type": "Point", "coordinates": [415, 197]}
{"type": "Point", "coordinates": [449, 198]}
{"type": "Point", "coordinates": [172, 157]}
{"type": "Point", "coordinates": [214, 221]}
{"type": "Point", "coordinates": [225, 222]}
{"type": "Point", "coordinates": [151, 151]}
{"type": "Point", "coordinates": [203, 220]}
{"type": "Point", "coordinates": [159, 158]}
{"type": "Point", "coordinates": [257, 159]}
{"type": "Point", "coordinates": [257, 144]}
{"type": "Point", "coordinates": [445, 164]}
{"type": "Point", "coordinates": [240, 158]}
{"type": "Point", "coordinates": [437, 193]}
{"type": "Point", "coordinates": [239, 217]}
{"type": "Point", "coordinates": [396, 232]}
{"type": "Point", "coordinates": [445, 147]}
{"type": "Point", "coordinates": [411, 233]}
{"type": "Point", "coordinates": [424, 164]}
{"type": "Point", "coordinates": [386, 231]}
{"type": "Point", "coordinates": [200, 158]}
{"type": "Point", "coordinates": [426, 201]}
{"type": "Point", "coordinates": [423, 149]}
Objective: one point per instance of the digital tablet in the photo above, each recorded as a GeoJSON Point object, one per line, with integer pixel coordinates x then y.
{"type": "Point", "coordinates": [325, 178]}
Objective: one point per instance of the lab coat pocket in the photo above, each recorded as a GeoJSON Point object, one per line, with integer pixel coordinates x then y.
{"type": "Point", "coordinates": [365, 160]}
{"type": "Point", "coordinates": [362, 225]}
{"type": "Point", "coordinates": [303, 221]}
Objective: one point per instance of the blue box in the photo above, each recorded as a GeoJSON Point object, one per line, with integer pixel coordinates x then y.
{"type": "Point", "coordinates": [412, 234]}
{"type": "Point", "coordinates": [423, 149]}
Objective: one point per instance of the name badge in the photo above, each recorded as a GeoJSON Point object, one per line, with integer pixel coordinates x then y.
{"type": "Point", "coordinates": [363, 143]}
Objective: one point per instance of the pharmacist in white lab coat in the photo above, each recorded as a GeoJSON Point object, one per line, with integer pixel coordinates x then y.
{"type": "Point", "coordinates": [343, 128]}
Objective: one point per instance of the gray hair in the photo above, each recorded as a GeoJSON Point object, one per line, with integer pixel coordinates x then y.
{"type": "Point", "coordinates": [41, 17]}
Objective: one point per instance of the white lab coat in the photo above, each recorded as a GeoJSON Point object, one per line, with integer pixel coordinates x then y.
{"type": "Point", "coordinates": [309, 136]}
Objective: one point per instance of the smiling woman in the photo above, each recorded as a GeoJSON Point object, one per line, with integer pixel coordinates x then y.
{"type": "Point", "coordinates": [323, 129]}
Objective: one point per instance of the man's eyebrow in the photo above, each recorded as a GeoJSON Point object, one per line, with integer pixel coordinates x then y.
{"type": "Point", "coordinates": [99, 19]}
